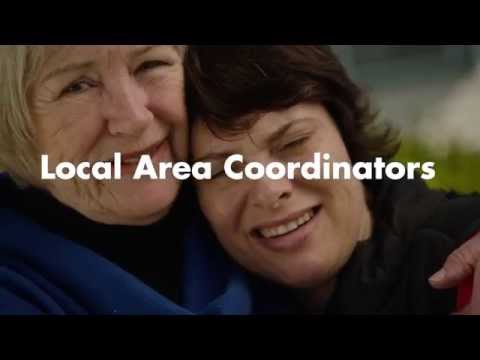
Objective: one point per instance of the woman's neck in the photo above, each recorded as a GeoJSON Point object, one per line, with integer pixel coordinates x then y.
{"type": "Point", "coordinates": [314, 300]}
{"type": "Point", "coordinates": [153, 253]}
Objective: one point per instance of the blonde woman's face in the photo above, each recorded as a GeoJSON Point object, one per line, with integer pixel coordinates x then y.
{"type": "Point", "coordinates": [92, 101]}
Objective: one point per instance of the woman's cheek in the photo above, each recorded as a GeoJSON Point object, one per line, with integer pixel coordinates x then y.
{"type": "Point", "coordinates": [167, 94]}
{"type": "Point", "coordinates": [211, 203]}
{"type": "Point", "coordinates": [220, 204]}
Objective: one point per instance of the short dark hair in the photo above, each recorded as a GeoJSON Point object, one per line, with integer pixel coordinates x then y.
{"type": "Point", "coordinates": [224, 83]}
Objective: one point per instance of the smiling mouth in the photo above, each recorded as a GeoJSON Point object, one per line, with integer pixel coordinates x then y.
{"type": "Point", "coordinates": [287, 227]}
{"type": "Point", "coordinates": [134, 157]}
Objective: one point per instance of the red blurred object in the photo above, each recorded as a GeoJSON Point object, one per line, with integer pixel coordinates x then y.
{"type": "Point", "coordinates": [465, 293]}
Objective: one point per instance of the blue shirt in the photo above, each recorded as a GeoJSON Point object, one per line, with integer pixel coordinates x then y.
{"type": "Point", "coordinates": [44, 273]}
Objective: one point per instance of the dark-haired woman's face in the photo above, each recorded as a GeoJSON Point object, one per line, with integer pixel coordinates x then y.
{"type": "Point", "coordinates": [296, 232]}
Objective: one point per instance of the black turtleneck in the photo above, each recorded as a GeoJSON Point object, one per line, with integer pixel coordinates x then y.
{"type": "Point", "coordinates": [151, 253]}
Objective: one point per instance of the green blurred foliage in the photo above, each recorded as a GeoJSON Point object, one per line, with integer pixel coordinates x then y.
{"type": "Point", "coordinates": [457, 169]}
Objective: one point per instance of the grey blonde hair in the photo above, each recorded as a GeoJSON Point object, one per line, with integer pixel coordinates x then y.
{"type": "Point", "coordinates": [19, 67]}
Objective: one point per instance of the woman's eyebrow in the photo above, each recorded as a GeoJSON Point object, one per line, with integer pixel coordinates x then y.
{"type": "Point", "coordinates": [273, 138]}
{"type": "Point", "coordinates": [145, 49]}
{"type": "Point", "coordinates": [140, 51]}
{"type": "Point", "coordinates": [277, 134]}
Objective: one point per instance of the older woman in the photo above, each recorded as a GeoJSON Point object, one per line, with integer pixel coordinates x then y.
{"type": "Point", "coordinates": [343, 246]}
{"type": "Point", "coordinates": [91, 246]}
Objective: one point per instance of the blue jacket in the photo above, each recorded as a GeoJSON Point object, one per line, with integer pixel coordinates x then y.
{"type": "Point", "coordinates": [43, 273]}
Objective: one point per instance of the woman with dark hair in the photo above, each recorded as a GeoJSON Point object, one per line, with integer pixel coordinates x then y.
{"type": "Point", "coordinates": [343, 247]}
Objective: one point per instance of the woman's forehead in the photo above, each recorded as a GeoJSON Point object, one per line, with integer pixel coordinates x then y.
{"type": "Point", "coordinates": [63, 57]}
{"type": "Point", "coordinates": [65, 53]}
{"type": "Point", "coordinates": [267, 123]}
{"type": "Point", "coordinates": [268, 128]}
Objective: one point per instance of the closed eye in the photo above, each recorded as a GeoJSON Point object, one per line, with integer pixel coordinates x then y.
{"type": "Point", "coordinates": [151, 64]}
{"type": "Point", "coordinates": [295, 143]}
{"type": "Point", "coordinates": [219, 169]}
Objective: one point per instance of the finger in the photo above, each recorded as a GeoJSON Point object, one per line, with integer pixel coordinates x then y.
{"type": "Point", "coordinates": [456, 269]}
{"type": "Point", "coordinates": [474, 306]}
{"type": "Point", "coordinates": [459, 265]}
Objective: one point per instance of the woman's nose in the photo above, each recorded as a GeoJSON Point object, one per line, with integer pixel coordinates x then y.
{"type": "Point", "coordinates": [271, 194]}
{"type": "Point", "coordinates": [126, 108]}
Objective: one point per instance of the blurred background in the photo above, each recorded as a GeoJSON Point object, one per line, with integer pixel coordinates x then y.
{"type": "Point", "coordinates": [431, 93]}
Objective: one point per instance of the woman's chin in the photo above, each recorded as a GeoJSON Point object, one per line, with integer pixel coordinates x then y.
{"type": "Point", "coordinates": [146, 202]}
{"type": "Point", "coordinates": [303, 276]}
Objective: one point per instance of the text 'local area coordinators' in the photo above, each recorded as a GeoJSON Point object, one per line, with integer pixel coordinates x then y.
{"type": "Point", "coordinates": [235, 168]}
